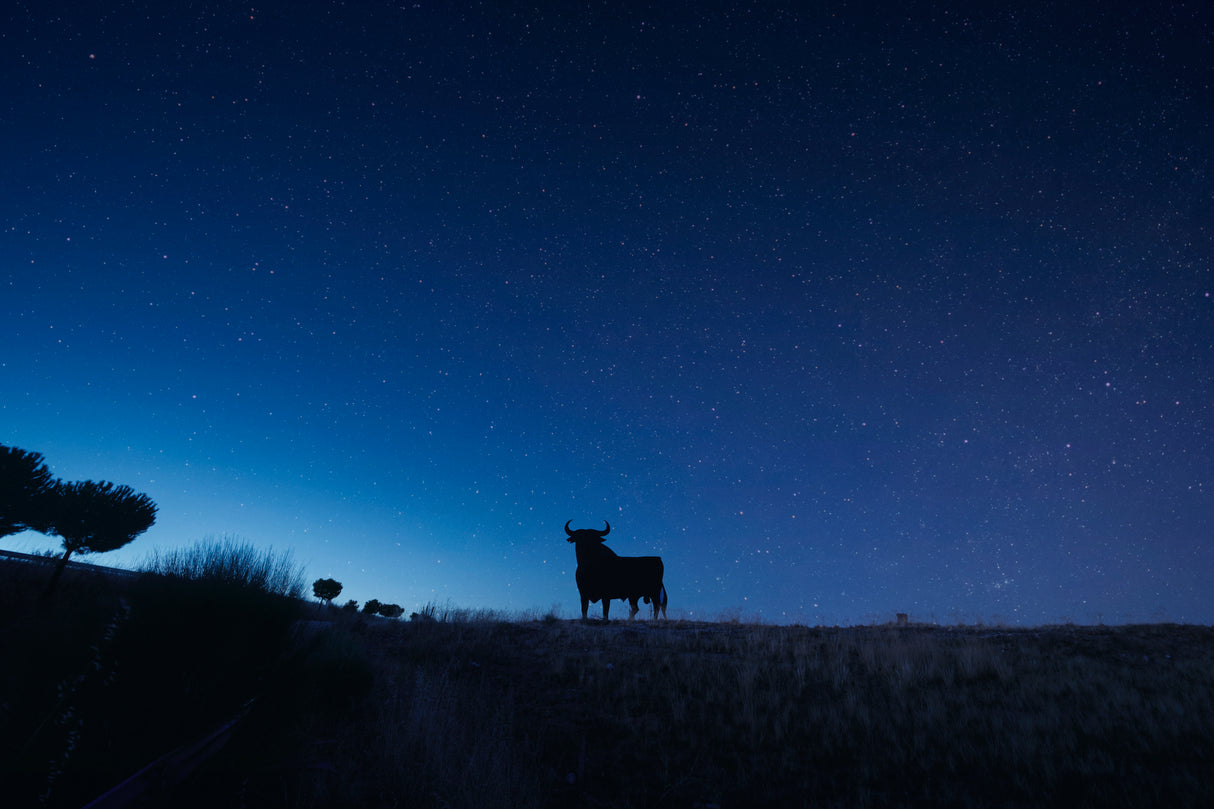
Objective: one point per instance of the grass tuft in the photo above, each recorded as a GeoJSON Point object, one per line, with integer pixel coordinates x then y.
{"type": "Point", "coordinates": [231, 562]}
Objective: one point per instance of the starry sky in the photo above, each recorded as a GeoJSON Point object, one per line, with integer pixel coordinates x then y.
{"type": "Point", "coordinates": [842, 311]}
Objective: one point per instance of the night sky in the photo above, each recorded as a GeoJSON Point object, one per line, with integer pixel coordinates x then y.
{"type": "Point", "coordinates": [843, 312]}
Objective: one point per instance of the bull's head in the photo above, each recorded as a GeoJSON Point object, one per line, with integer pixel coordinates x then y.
{"type": "Point", "coordinates": [587, 534]}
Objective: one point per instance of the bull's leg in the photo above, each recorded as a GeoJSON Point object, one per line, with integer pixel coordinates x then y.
{"type": "Point", "coordinates": [606, 609]}
{"type": "Point", "coordinates": [632, 602]}
{"type": "Point", "coordinates": [585, 606]}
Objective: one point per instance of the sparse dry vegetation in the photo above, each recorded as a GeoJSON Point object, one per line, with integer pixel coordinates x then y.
{"type": "Point", "coordinates": [474, 709]}
{"type": "Point", "coordinates": [231, 562]}
{"type": "Point", "coordinates": [739, 715]}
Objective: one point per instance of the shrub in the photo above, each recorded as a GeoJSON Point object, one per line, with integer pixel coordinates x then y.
{"type": "Point", "coordinates": [232, 562]}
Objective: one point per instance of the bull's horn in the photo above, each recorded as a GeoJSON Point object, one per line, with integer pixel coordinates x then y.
{"type": "Point", "coordinates": [567, 531]}
{"type": "Point", "coordinates": [606, 530]}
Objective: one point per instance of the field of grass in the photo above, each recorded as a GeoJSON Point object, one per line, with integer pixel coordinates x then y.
{"type": "Point", "coordinates": [479, 710]}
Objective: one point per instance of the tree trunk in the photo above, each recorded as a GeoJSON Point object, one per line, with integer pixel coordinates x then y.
{"type": "Point", "coordinates": [54, 582]}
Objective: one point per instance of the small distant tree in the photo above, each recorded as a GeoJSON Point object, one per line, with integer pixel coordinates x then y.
{"type": "Point", "coordinates": [350, 606]}
{"type": "Point", "coordinates": [326, 590]}
{"type": "Point", "coordinates": [94, 517]}
{"type": "Point", "coordinates": [26, 486]}
{"type": "Point", "coordinates": [391, 610]}
{"type": "Point", "coordinates": [371, 607]}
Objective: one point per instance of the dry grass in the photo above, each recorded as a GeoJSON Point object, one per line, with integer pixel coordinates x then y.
{"type": "Point", "coordinates": [472, 709]}
{"type": "Point", "coordinates": [558, 713]}
{"type": "Point", "coordinates": [233, 562]}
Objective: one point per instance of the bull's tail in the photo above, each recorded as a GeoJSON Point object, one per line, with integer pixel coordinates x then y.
{"type": "Point", "coordinates": [661, 597]}
{"type": "Point", "coordinates": [661, 602]}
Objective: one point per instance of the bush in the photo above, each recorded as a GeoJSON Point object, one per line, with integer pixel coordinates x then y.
{"type": "Point", "coordinates": [120, 670]}
{"type": "Point", "coordinates": [231, 562]}
{"type": "Point", "coordinates": [209, 622]}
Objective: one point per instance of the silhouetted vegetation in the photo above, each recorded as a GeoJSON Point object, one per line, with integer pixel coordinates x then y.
{"type": "Point", "coordinates": [25, 486]}
{"type": "Point", "coordinates": [89, 517]}
{"type": "Point", "coordinates": [96, 517]}
{"type": "Point", "coordinates": [375, 607]}
{"type": "Point", "coordinates": [391, 610]}
{"type": "Point", "coordinates": [556, 713]}
{"type": "Point", "coordinates": [326, 589]}
{"type": "Point", "coordinates": [233, 562]}
{"type": "Point", "coordinates": [121, 669]}
{"type": "Point", "coordinates": [476, 709]}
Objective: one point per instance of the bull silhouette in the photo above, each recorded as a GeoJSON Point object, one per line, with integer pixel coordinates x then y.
{"type": "Point", "coordinates": [602, 575]}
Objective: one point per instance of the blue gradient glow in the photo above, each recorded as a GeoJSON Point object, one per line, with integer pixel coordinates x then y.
{"type": "Point", "coordinates": [843, 314]}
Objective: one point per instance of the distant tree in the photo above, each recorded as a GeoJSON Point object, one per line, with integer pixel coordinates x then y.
{"type": "Point", "coordinates": [350, 606]}
{"type": "Point", "coordinates": [26, 486]}
{"type": "Point", "coordinates": [96, 517]}
{"type": "Point", "coordinates": [326, 589]}
{"type": "Point", "coordinates": [391, 610]}
{"type": "Point", "coordinates": [371, 607]}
